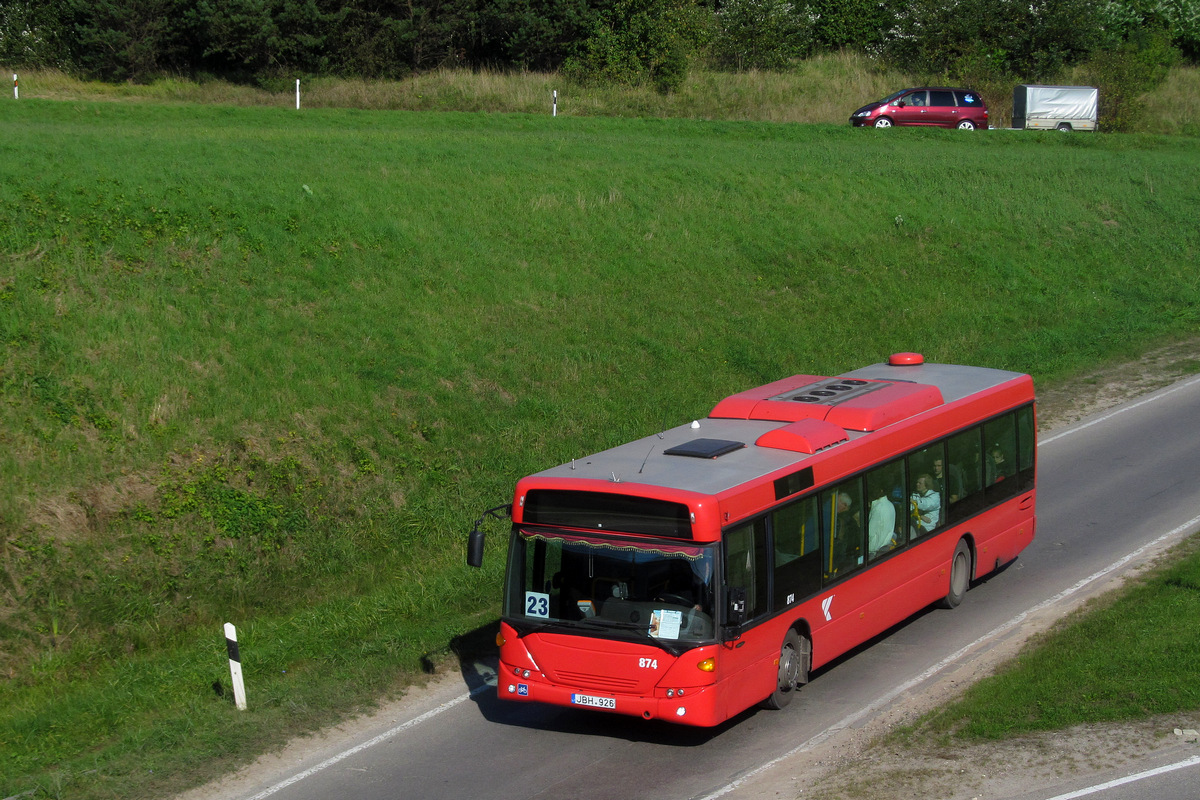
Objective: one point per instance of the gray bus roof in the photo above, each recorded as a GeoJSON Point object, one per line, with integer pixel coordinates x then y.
{"type": "Point", "coordinates": [645, 461]}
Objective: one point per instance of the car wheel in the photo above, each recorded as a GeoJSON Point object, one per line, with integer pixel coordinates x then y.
{"type": "Point", "coordinates": [883, 122]}
{"type": "Point", "coordinates": [966, 125]}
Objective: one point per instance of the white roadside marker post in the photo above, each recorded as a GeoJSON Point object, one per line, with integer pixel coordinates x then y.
{"type": "Point", "coordinates": [235, 666]}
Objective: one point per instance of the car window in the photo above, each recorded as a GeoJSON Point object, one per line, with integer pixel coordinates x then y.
{"type": "Point", "coordinates": [941, 98]}
{"type": "Point", "coordinates": [914, 99]}
{"type": "Point", "coordinates": [972, 99]}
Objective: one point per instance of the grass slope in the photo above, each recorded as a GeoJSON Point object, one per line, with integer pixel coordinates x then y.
{"type": "Point", "coordinates": [1127, 656]}
{"type": "Point", "coordinates": [265, 366]}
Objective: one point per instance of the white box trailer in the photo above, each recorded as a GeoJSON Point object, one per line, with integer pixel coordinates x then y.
{"type": "Point", "coordinates": [1063, 108]}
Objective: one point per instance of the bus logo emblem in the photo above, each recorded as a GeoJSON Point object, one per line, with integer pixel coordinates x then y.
{"type": "Point", "coordinates": [825, 604]}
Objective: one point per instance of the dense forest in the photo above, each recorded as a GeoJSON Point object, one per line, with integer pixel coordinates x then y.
{"type": "Point", "coordinates": [633, 42]}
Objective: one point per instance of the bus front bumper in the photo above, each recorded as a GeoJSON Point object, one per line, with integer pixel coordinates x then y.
{"type": "Point", "coordinates": [696, 706]}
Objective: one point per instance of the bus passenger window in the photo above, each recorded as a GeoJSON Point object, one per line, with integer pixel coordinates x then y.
{"type": "Point", "coordinates": [1026, 444]}
{"type": "Point", "coordinates": [964, 475]}
{"type": "Point", "coordinates": [1000, 459]}
{"type": "Point", "coordinates": [797, 552]}
{"type": "Point", "coordinates": [926, 495]}
{"type": "Point", "coordinates": [842, 529]}
{"type": "Point", "coordinates": [885, 509]}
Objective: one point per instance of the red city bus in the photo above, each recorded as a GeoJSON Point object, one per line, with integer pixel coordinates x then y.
{"type": "Point", "coordinates": [697, 572]}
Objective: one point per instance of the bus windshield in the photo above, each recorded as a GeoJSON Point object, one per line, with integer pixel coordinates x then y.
{"type": "Point", "coordinates": [624, 587]}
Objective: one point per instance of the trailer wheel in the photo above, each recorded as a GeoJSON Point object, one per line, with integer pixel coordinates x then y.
{"type": "Point", "coordinates": [1065, 127]}
{"type": "Point", "coordinates": [795, 658]}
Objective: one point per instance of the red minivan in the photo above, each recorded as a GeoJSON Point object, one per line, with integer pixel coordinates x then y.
{"type": "Point", "coordinates": [941, 106]}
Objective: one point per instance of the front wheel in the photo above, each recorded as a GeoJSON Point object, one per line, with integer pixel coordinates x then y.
{"type": "Point", "coordinates": [795, 659]}
{"type": "Point", "coordinates": [966, 125]}
{"type": "Point", "coordinates": [960, 575]}
{"type": "Point", "coordinates": [883, 122]}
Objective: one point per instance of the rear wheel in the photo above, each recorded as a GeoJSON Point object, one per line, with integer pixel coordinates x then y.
{"type": "Point", "coordinates": [966, 125]}
{"type": "Point", "coordinates": [960, 575]}
{"type": "Point", "coordinates": [883, 122]}
{"type": "Point", "coordinates": [795, 658]}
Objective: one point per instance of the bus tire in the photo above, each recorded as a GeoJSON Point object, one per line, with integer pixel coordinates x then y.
{"type": "Point", "coordinates": [795, 658]}
{"type": "Point", "coordinates": [960, 575]}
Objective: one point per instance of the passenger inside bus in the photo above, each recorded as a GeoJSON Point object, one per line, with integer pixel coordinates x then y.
{"type": "Point", "coordinates": [881, 525]}
{"type": "Point", "coordinates": [949, 484]}
{"type": "Point", "coordinates": [926, 505]}
{"type": "Point", "coordinates": [997, 466]}
{"type": "Point", "coordinates": [844, 546]}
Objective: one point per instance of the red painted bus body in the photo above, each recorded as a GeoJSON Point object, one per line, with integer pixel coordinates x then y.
{"type": "Point", "coordinates": [697, 572]}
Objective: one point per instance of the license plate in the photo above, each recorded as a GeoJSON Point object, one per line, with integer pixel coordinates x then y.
{"type": "Point", "coordinates": [593, 702]}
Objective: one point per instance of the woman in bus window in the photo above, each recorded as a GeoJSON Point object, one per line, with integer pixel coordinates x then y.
{"type": "Point", "coordinates": [926, 505]}
{"type": "Point", "coordinates": [997, 464]}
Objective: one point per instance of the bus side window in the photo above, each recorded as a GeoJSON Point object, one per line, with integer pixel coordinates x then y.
{"type": "Point", "coordinates": [746, 564]}
{"type": "Point", "coordinates": [1026, 445]}
{"type": "Point", "coordinates": [797, 552]}
{"type": "Point", "coordinates": [1000, 459]}
{"type": "Point", "coordinates": [925, 493]}
{"type": "Point", "coordinates": [886, 505]}
{"type": "Point", "coordinates": [965, 474]}
{"type": "Point", "coordinates": [842, 529]}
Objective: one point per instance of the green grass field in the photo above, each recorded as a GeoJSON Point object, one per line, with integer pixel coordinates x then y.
{"type": "Point", "coordinates": [265, 366]}
{"type": "Point", "coordinates": [1127, 656]}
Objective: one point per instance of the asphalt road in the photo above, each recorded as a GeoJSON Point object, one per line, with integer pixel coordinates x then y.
{"type": "Point", "coordinates": [1111, 489]}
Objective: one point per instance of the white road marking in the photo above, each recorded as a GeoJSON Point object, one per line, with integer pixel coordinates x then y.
{"type": "Point", "coordinates": [1150, 773]}
{"type": "Point", "coordinates": [1119, 411]}
{"type": "Point", "coordinates": [329, 762]}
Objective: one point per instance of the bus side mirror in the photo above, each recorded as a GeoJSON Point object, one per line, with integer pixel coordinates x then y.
{"type": "Point", "coordinates": [475, 540]}
{"type": "Point", "coordinates": [475, 549]}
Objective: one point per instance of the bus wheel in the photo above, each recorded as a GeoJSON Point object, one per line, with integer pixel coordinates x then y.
{"type": "Point", "coordinates": [795, 657]}
{"type": "Point", "coordinates": [960, 575]}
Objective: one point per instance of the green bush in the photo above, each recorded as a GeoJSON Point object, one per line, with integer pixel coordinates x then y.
{"type": "Point", "coordinates": [1124, 74]}
{"type": "Point", "coordinates": [857, 24]}
{"type": "Point", "coordinates": [640, 42]}
{"type": "Point", "coordinates": [31, 35]}
{"type": "Point", "coordinates": [944, 37]}
{"type": "Point", "coordinates": [759, 34]}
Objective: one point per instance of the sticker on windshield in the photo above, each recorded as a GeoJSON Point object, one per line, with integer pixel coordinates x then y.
{"type": "Point", "coordinates": [537, 604]}
{"type": "Point", "coordinates": [665, 623]}
{"type": "Point", "coordinates": [970, 98]}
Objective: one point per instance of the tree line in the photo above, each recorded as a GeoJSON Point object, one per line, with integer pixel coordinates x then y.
{"type": "Point", "coordinates": [634, 42]}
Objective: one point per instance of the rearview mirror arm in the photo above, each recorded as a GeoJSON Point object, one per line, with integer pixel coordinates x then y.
{"type": "Point", "coordinates": [475, 538]}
